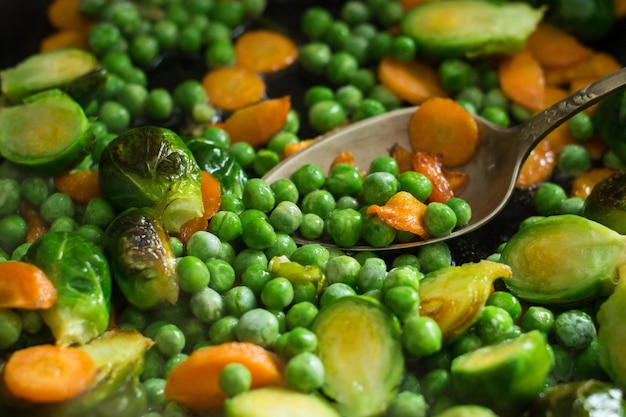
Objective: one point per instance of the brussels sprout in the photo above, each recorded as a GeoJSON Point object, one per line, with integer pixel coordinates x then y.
{"type": "Point", "coordinates": [588, 20]}
{"type": "Point", "coordinates": [80, 274]}
{"type": "Point", "coordinates": [142, 260]}
{"type": "Point", "coordinates": [607, 202]}
{"type": "Point", "coordinates": [277, 402]}
{"type": "Point", "coordinates": [563, 259]}
{"type": "Point", "coordinates": [221, 163]}
{"type": "Point", "coordinates": [612, 335]}
{"type": "Point", "coordinates": [580, 399]}
{"type": "Point", "coordinates": [117, 390]}
{"type": "Point", "coordinates": [609, 121]}
{"type": "Point", "coordinates": [152, 167]}
{"type": "Point", "coordinates": [505, 377]}
{"type": "Point", "coordinates": [359, 345]}
{"type": "Point", "coordinates": [27, 139]}
{"type": "Point", "coordinates": [72, 70]}
{"type": "Point", "coordinates": [447, 29]}
{"type": "Point", "coordinates": [455, 296]}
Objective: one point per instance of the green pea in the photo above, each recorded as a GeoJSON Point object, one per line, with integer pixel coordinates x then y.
{"type": "Point", "coordinates": [401, 276]}
{"type": "Point", "coordinates": [216, 31]}
{"type": "Point", "coordinates": [466, 343]}
{"type": "Point", "coordinates": [55, 206]}
{"type": "Point", "coordinates": [316, 94]}
{"type": "Point", "coordinates": [278, 142]}
{"type": "Point", "coordinates": [336, 34]}
{"type": "Point", "coordinates": [255, 277]}
{"type": "Point", "coordinates": [63, 224]}
{"type": "Point", "coordinates": [434, 256]}
{"type": "Point", "coordinates": [403, 48]}
{"type": "Point", "coordinates": [462, 210]}
{"type": "Point", "coordinates": [369, 107]}
{"type": "Point", "coordinates": [473, 95]}
{"type": "Point", "coordinates": [455, 75]}
{"type": "Point", "coordinates": [248, 257]}
{"type": "Point", "coordinates": [340, 66]}
{"type": "Point", "coordinates": [574, 329]}
{"type": "Point", "coordinates": [243, 152]}
{"type": "Point", "coordinates": [193, 274]}
{"type": "Point", "coordinates": [300, 340]}
{"type": "Point", "coordinates": [311, 254]}
{"type": "Point", "coordinates": [377, 233]}
{"type": "Point", "coordinates": [277, 293]}
{"type": "Point", "coordinates": [264, 160]}
{"type": "Point", "coordinates": [439, 219]}
{"type": "Point", "coordinates": [380, 45]}
{"type": "Point", "coordinates": [223, 330]}
{"type": "Point", "coordinates": [334, 292]}
{"type": "Point", "coordinates": [406, 259]}
{"type": "Point", "coordinates": [494, 325]}
{"type": "Point", "coordinates": [314, 57]}
{"type": "Point", "coordinates": [32, 322]}
{"type": "Point", "coordinates": [258, 326]}
{"type": "Point", "coordinates": [415, 183]}
{"type": "Point", "coordinates": [172, 362]}
{"type": "Point", "coordinates": [235, 379]}
{"type": "Point", "coordinates": [231, 13]}
{"type": "Point", "coordinates": [285, 189]}
{"type": "Point", "coordinates": [10, 328]}
{"type": "Point", "coordinates": [507, 302]}
{"type": "Point", "coordinates": [14, 229]}
{"type": "Point", "coordinates": [226, 225]}
{"type": "Point", "coordinates": [344, 179]}
{"type": "Point", "coordinates": [326, 115]}
{"type": "Point", "coordinates": [194, 331]}
{"type": "Point", "coordinates": [573, 159]}
{"type": "Point", "coordinates": [9, 196]}
{"type": "Point", "coordinates": [494, 97]}
{"type": "Point", "coordinates": [357, 46]}
{"type": "Point", "coordinates": [496, 115]}
{"type": "Point", "coordinates": [98, 212]}
{"type": "Point", "coordinates": [284, 246]}
{"type": "Point", "coordinates": [435, 384]}
{"type": "Point", "coordinates": [203, 245]}
{"type": "Point", "coordinates": [155, 392]}
{"type": "Point", "coordinates": [390, 13]}
{"type": "Point", "coordinates": [238, 300]}
{"type": "Point", "coordinates": [572, 205]}
{"type": "Point", "coordinates": [292, 124]}
{"type": "Point", "coordinates": [159, 104]}
{"type": "Point", "coordinates": [421, 335]}
{"type": "Point", "coordinates": [345, 226]}
{"type": "Point", "coordinates": [103, 37]}
{"type": "Point", "coordinates": [312, 226]}
{"type": "Point", "coordinates": [257, 194]}
{"type": "Point", "coordinates": [301, 314]}
{"type": "Point", "coordinates": [258, 234]}
{"type": "Point", "coordinates": [308, 177]}
{"type": "Point", "coordinates": [371, 275]}
{"type": "Point", "coordinates": [207, 305]}
{"type": "Point", "coordinates": [153, 364]}
{"type": "Point", "coordinates": [305, 291]}
{"type": "Point", "coordinates": [286, 217]}
{"type": "Point", "coordinates": [220, 53]}
{"type": "Point", "coordinates": [169, 340]}
{"type": "Point", "coordinates": [580, 126]}
{"type": "Point", "coordinates": [343, 268]}
{"type": "Point", "coordinates": [548, 198]}
{"type": "Point", "coordinates": [378, 187]}
{"type": "Point", "coordinates": [538, 318]}
{"type": "Point", "coordinates": [407, 403]}
{"type": "Point", "coordinates": [563, 363]}
{"type": "Point", "coordinates": [402, 300]}
{"type": "Point", "coordinates": [320, 202]}
{"type": "Point", "coordinates": [34, 189]}
{"type": "Point", "coordinates": [349, 97]}
{"type": "Point", "coordinates": [188, 93]}
{"type": "Point", "coordinates": [166, 32]}
{"type": "Point", "coordinates": [586, 362]}
{"type": "Point", "coordinates": [385, 163]}
{"type": "Point", "coordinates": [348, 201]}
{"type": "Point", "coordinates": [222, 275]}
{"type": "Point", "coordinates": [315, 21]}
{"type": "Point", "coordinates": [304, 372]}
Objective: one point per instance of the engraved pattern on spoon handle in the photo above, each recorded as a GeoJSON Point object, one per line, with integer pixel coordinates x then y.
{"type": "Point", "coordinates": [536, 128]}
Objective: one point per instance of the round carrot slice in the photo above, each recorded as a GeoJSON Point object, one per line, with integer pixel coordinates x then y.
{"type": "Point", "coordinates": [265, 51]}
{"type": "Point", "coordinates": [231, 88]}
{"type": "Point", "coordinates": [23, 285]}
{"type": "Point", "coordinates": [49, 373]}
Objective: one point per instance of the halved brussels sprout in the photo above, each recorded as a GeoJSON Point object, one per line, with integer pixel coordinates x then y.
{"type": "Point", "coordinates": [277, 402]}
{"type": "Point", "coordinates": [80, 274]}
{"type": "Point", "coordinates": [505, 377]}
{"type": "Point", "coordinates": [455, 296]}
{"type": "Point", "coordinates": [359, 345]}
{"type": "Point", "coordinates": [152, 167]}
{"type": "Point", "coordinates": [47, 133]}
{"type": "Point", "coordinates": [142, 260]}
{"type": "Point", "coordinates": [607, 202]}
{"type": "Point", "coordinates": [73, 70]}
{"type": "Point", "coordinates": [612, 335]}
{"type": "Point", "coordinates": [563, 259]}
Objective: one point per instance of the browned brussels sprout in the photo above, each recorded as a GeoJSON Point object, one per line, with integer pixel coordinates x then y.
{"type": "Point", "coordinates": [142, 260]}
{"type": "Point", "coordinates": [607, 202]}
{"type": "Point", "coordinates": [152, 167]}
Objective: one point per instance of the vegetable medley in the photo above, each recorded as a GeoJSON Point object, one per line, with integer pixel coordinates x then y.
{"type": "Point", "coordinates": [148, 269]}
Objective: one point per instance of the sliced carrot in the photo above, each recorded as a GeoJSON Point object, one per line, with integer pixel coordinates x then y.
{"type": "Point", "coordinates": [257, 123]}
{"type": "Point", "coordinates": [403, 157]}
{"type": "Point", "coordinates": [431, 166]}
{"type": "Point", "coordinates": [456, 179]}
{"type": "Point", "coordinates": [231, 88]}
{"type": "Point", "coordinates": [553, 94]}
{"type": "Point", "coordinates": [23, 285]}
{"type": "Point", "coordinates": [66, 38]}
{"type": "Point", "coordinates": [48, 373]}
{"type": "Point", "coordinates": [522, 80]}
{"type": "Point", "coordinates": [64, 14]}
{"type": "Point", "coordinates": [584, 183]}
{"type": "Point", "coordinates": [265, 51]}
{"type": "Point", "coordinates": [292, 148]}
{"type": "Point", "coordinates": [442, 126]}
{"type": "Point", "coordinates": [211, 200]}
{"type": "Point", "coordinates": [195, 382]}
{"type": "Point", "coordinates": [82, 186]}
{"type": "Point", "coordinates": [412, 81]}
{"type": "Point", "coordinates": [37, 226]}
{"type": "Point", "coordinates": [620, 9]}
{"type": "Point", "coordinates": [402, 212]}
{"type": "Point", "coordinates": [538, 166]}
{"type": "Point", "coordinates": [553, 47]}
{"type": "Point", "coordinates": [598, 65]}
{"type": "Point", "coordinates": [346, 157]}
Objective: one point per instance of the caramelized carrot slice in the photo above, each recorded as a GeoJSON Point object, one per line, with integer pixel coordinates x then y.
{"type": "Point", "coordinates": [82, 186]}
{"type": "Point", "coordinates": [402, 212]}
{"type": "Point", "coordinates": [584, 183]}
{"type": "Point", "coordinates": [442, 126]}
{"type": "Point", "coordinates": [265, 51]}
{"type": "Point", "coordinates": [403, 157]}
{"type": "Point", "coordinates": [538, 166]}
{"type": "Point", "coordinates": [596, 66]}
{"type": "Point", "coordinates": [195, 382]}
{"type": "Point", "coordinates": [231, 88]}
{"type": "Point", "coordinates": [37, 226]}
{"type": "Point", "coordinates": [23, 285]}
{"type": "Point", "coordinates": [67, 38]}
{"type": "Point", "coordinates": [48, 373]}
{"type": "Point", "coordinates": [211, 200]}
{"type": "Point", "coordinates": [431, 166]}
{"type": "Point", "coordinates": [64, 14]}
{"type": "Point", "coordinates": [257, 123]}
{"type": "Point", "coordinates": [346, 157]}
{"type": "Point", "coordinates": [522, 80]}
{"type": "Point", "coordinates": [620, 9]}
{"type": "Point", "coordinates": [412, 81]}
{"type": "Point", "coordinates": [553, 47]}
{"type": "Point", "coordinates": [292, 148]}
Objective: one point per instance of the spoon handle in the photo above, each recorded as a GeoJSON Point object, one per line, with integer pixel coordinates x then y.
{"type": "Point", "coordinates": [542, 123]}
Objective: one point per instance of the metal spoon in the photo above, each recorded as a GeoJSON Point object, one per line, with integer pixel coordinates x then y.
{"type": "Point", "coordinates": [492, 172]}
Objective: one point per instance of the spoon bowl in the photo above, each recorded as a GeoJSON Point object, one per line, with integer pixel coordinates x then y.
{"type": "Point", "coordinates": [492, 172]}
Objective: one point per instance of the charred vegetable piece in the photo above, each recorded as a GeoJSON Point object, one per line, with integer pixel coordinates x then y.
{"type": "Point", "coordinates": [612, 335]}
{"type": "Point", "coordinates": [563, 259]}
{"type": "Point", "coordinates": [580, 399]}
{"type": "Point", "coordinates": [26, 136]}
{"type": "Point", "coordinates": [80, 274]}
{"type": "Point", "coordinates": [142, 260]}
{"type": "Point", "coordinates": [277, 402]}
{"type": "Point", "coordinates": [360, 348]}
{"type": "Point", "coordinates": [221, 164]}
{"type": "Point", "coordinates": [607, 202]}
{"type": "Point", "coordinates": [72, 70]}
{"type": "Point", "coordinates": [505, 377]}
{"type": "Point", "coordinates": [457, 28]}
{"type": "Point", "coordinates": [455, 296]}
{"type": "Point", "coordinates": [117, 390]}
{"type": "Point", "coordinates": [152, 167]}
